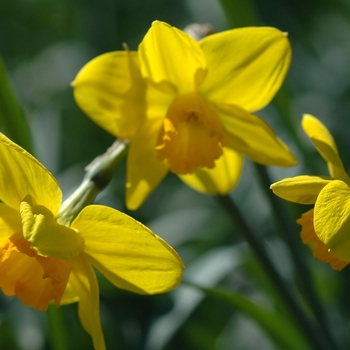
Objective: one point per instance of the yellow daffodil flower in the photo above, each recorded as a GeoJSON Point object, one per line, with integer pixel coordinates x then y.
{"type": "Point", "coordinates": [42, 260]}
{"type": "Point", "coordinates": [186, 105]}
{"type": "Point", "coordinates": [326, 227]}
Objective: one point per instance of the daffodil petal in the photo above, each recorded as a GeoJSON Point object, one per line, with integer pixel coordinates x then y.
{"type": "Point", "coordinates": [219, 180]}
{"type": "Point", "coordinates": [130, 255]}
{"type": "Point", "coordinates": [69, 296]}
{"type": "Point", "coordinates": [325, 144]}
{"type": "Point", "coordinates": [10, 222]}
{"type": "Point", "coordinates": [171, 59]}
{"type": "Point", "coordinates": [302, 189]}
{"type": "Point", "coordinates": [47, 237]}
{"type": "Point", "coordinates": [144, 170]}
{"type": "Point", "coordinates": [246, 66]}
{"type": "Point", "coordinates": [249, 134]}
{"type": "Point", "coordinates": [21, 174]}
{"type": "Point", "coordinates": [111, 91]}
{"type": "Point", "coordinates": [157, 103]}
{"type": "Point", "coordinates": [83, 281]}
{"type": "Point", "coordinates": [332, 218]}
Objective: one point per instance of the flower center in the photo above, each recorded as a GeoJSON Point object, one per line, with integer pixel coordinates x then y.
{"type": "Point", "coordinates": [34, 279]}
{"type": "Point", "coordinates": [192, 135]}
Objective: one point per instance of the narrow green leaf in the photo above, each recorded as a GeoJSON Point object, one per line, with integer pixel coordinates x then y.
{"type": "Point", "coordinates": [12, 118]}
{"type": "Point", "coordinates": [276, 325]}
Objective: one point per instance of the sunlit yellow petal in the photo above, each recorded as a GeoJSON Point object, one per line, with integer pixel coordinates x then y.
{"type": "Point", "coordinates": [22, 174]}
{"type": "Point", "coordinates": [83, 281]}
{"type": "Point", "coordinates": [324, 142]}
{"type": "Point", "coordinates": [332, 218]}
{"type": "Point", "coordinates": [144, 170]}
{"type": "Point", "coordinates": [171, 59]}
{"type": "Point", "coordinates": [302, 189]}
{"type": "Point", "coordinates": [47, 237]}
{"type": "Point", "coordinates": [128, 253]}
{"type": "Point", "coordinates": [111, 91]}
{"type": "Point", "coordinates": [249, 134]}
{"type": "Point", "coordinates": [246, 66]}
{"type": "Point", "coordinates": [219, 180]}
{"type": "Point", "coordinates": [10, 222]}
{"type": "Point", "coordinates": [319, 250]}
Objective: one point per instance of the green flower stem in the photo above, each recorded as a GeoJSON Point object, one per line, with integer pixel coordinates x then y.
{"type": "Point", "coordinates": [285, 226]}
{"type": "Point", "coordinates": [98, 175]}
{"type": "Point", "coordinates": [58, 332]}
{"type": "Point", "coordinates": [310, 330]}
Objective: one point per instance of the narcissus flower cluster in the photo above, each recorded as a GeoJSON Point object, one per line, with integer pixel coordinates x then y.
{"type": "Point", "coordinates": [326, 227]}
{"type": "Point", "coordinates": [45, 259]}
{"type": "Point", "coordinates": [187, 106]}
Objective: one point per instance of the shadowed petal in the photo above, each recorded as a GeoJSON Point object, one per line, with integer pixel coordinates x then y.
{"type": "Point", "coordinates": [69, 296]}
{"type": "Point", "coordinates": [83, 281]}
{"type": "Point", "coordinates": [10, 222]}
{"type": "Point", "coordinates": [144, 170]}
{"type": "Point", "coordinates": [111, 91]}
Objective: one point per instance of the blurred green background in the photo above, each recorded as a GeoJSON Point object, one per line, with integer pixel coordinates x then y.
{"type": "Point", "coordinates": [44, 43]}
